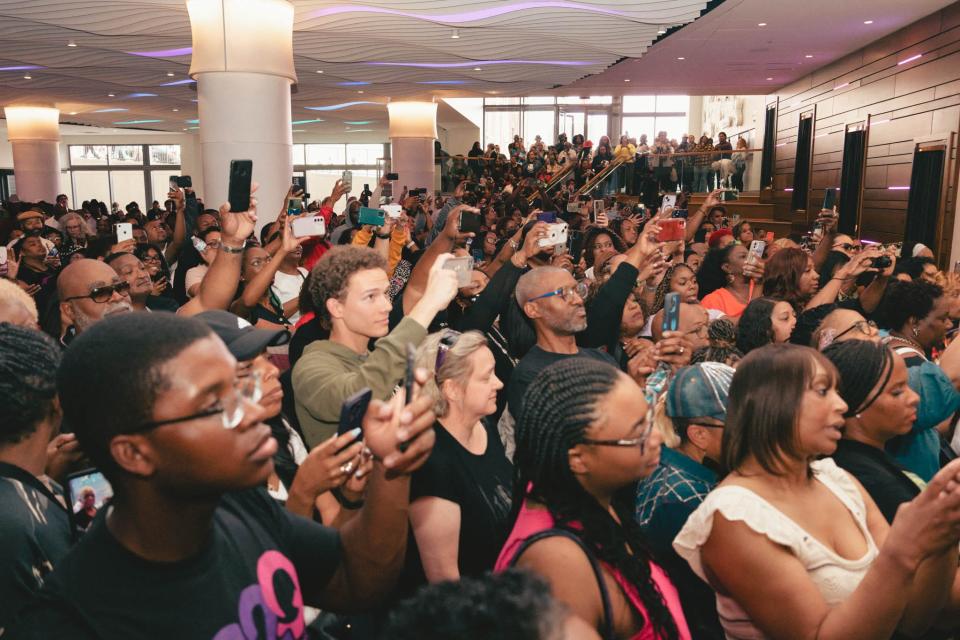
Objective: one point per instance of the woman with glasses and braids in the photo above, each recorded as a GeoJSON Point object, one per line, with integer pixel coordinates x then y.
{"type": "Point", "coordinates": [459, 499]}
{"type": "Point", "coordinates": [791, 543]}
{"type": "Point", "coordinates": [584, 438]}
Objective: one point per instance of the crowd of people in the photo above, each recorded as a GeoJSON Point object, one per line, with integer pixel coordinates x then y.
{"type": "Point", "coordinates": [596, 429]}
{"type": "Point", "coordinates": [642, 168]}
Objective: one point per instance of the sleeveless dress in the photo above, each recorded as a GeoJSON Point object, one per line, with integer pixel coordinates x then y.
{"type": "Point", "coordinates": [834, 576]}
{"type": "Point", "coordinates": [532, 521]}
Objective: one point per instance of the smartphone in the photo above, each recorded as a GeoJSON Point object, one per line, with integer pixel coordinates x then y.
{"type": "Point", "coordinates": [409, 381]}
{"type": "Point", "coordinates": [597, 209]}
{"type": "Point", "coordinates": [469, 222]}
{"type": "Point", "coordinates": [294, 206]}
{"type": "Point", "coordinates": [956, 265]}
{"type": "Point", "coordinates": [463, 267]}
{"type": "Point", "coordinates": [575, 245]}
{"type": "Point", "coordinates": [241, 177]}
{"type": "Point", "coordinates": [373, 217]}
{"type": "Point", "coordinates": [556, 234]}
{"type": "Point", "coordinates": [671, 312]}
{"type": "Point", "coordinates": [347, 178]}
{"type": "Point", "coordinates": [393, 210]}
{"type": "Point", "coordinates": [3, 255]}
{"type": "Point", "coordinates": [549, 217]}
{"type": "Point", "coordinates": [53, 253]}
{"type": "Point", "coordinates": [299, 184]}
{"type": "Point", "coordinates": [757, 248]}
{"type": "Point", "coordinates": [680, 213]}
{"type": "Point", "coordinates": [174, 182]}
{"type": "Point", "coordinates": [185, 182]}
{"type": "Point", "coordinates": [88, 491]}
{"type": "Point", "coordinates": [672, 229]}
{"type": "Point", "coordinates": [123, 231]}
{"type": "Point", "coordinates": [309, 226]}
{"type": "Point", "coordinates": [829, 199]}
{"type": "Point", "coordinates": [669, 200]}
{"type": "Point", "coordinates": [574, 207]}
{"type": "Point", "coordinates": [352, 411]}
{"type": "Point", "coordinates": [393, 176]}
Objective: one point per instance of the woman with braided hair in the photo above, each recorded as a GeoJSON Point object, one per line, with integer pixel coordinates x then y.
{"type": "Point", "coordinates": [881, 405]}
{"type": "Point", "coordinates": [584, 438]}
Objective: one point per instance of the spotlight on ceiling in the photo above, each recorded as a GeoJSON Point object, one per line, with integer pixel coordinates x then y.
{"type": "Point", "coordinates": [28, 77]}
{"type": "Point", "coordinates": [319, 70]}
{"type": "Point", "coordinates": [71, 44]}
{"type": "Point", "coordinates": [626, 79]}
{"type": "Point", "coordinates": [868, 22]}
{"type": "Point", "coordinates": [808, 56]}
{"type": "Point", "coordinates": [455, 35]}
{"type": "Point", "coordinates": [170, 75]}
{"type": "Point", "coordinates": [477, 69]}
{"type": "Point", "coordinates": [681, 58]}
{"type": "Point", "coordinates": [761, 24]}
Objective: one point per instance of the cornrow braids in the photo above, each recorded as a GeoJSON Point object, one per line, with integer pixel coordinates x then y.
{"type": "Point", "coordinates": [560, 405]}
{"type": "Point", "coordinates": [664, 287]}
{"type": "Point", "coordinates": [722, 335]}
{"type": "Point", "coordinates": [28, 381]}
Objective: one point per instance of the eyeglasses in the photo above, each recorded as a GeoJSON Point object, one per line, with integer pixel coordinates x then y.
{"type": "Point", "coordinates": [846, 246]}
{"type": "Point", "coordinates": [640, 441]}
{"type": "Point", "coordinates": [213, 244]}
{"type": "Point", "coordinates": [102, 294]}
{"type": "Point", "coordinates": [567, 293]}
{"type": "Point", "coordinates": [449, 339]}
{"type": "Point", "coordinates": [700, 330]}
{"type": "Point", "coordinates": [866, 327]}
{"type": "Point", "coordinates": [230, 408]}
{"type": "Point", "coordinates": [151, 258]}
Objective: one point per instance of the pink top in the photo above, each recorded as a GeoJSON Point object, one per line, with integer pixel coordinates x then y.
{"type": "Point", "coordinates": [532, 521]}
{"type": "Point", "coordinates": [723, 300]}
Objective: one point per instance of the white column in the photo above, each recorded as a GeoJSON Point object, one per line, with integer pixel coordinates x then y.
{"type": "Point", "coordinates": [243, 65]}
{"type": "Point", "coordinates": [34, 134]}
{"type": "Point", "coordinates": [413, 129]}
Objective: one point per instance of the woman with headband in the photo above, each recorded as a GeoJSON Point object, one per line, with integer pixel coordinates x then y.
{"type": "Point", "coordinates": [873, 383]}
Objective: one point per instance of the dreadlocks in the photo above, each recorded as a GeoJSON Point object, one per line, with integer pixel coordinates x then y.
{"type": "Point", "coordinates": [560, 405]}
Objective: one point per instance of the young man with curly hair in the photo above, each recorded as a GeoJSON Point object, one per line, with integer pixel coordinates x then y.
{"type": "Point", "coordinates": [349, 291]}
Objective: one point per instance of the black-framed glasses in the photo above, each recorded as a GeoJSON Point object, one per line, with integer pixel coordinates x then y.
{"type": "Point", "coordinates": [639, 441]}
{"type": "Point", "coordinates": [846, 246]}
{"type": "Point", "coordinates": [567, 293]}
{"type": "Point", "coordinates": [151, 258]}
{"type": "Point", "coordinates": [866, 327]}
{"type": "Point", "coordinates": [447, 341]}
{"type": "Point", "coordinates": [230, 408]}
{"type": "Point", "coordinates": [103, 293]}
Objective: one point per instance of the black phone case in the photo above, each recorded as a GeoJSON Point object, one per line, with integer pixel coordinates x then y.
{"type": "Point", "coordinates": [469, 222]}
{"type": "Point", "coordinates": [353, 410]}
{"type": "Point", "coordinates": [241, 175]}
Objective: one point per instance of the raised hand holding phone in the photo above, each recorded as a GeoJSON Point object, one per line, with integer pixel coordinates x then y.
{"type": "Point", "coordinates": [388, 425]}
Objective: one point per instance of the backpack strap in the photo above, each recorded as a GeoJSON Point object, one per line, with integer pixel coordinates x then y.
{"type": "Point", "coordinates": [608, 633]}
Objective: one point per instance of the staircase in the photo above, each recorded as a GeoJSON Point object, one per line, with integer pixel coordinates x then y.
{"type": "Point", "coordinates": [558, 179]}
{"type": "Point", "coordinates": [598, 179]}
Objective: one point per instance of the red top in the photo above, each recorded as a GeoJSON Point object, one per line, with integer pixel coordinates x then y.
{"type": "Point", "coordinates": [532, 521]}
{"type": "Point", "coordinates": [314, 248]}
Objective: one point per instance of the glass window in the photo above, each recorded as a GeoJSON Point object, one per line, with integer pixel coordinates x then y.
{"type": "Point", "coordinates": [364, 153]}
{"type": "Point", "coordinates": [539, 100]}
{"type": "Point", "coordinates": [326, 154]}
{"type": "Point", "coordinates": [639, 104]}
{"type": "Point", "coordinates": [66, 187]}
{"type": "Point", "coordinates": [635, 126]}
{"type": "Point", "coordinates": [537, 123]}
{"type": "Point", "coordinates": [499, 127]}
{"type": "Point", "coordinates": [298, 155]}
{"type": "Point", "coordinates": [87, 154]}
{"type": "Point", "coordinates": [164, 154]}
{"type": "Point", "coordinates": [160, 185]}
{"type": "Point", "coordinates": [128, 187]}
{"type": "Point", "coordinates": [502, 101]}
{"type": "Point", "coordinates": [678, 104]}
{"type": "Point", "coordinates": [675, 126]}
{"type": "Point", "coordinates": [597, 126]}
{"type": "Point", "coordinates": [590, 100]}
{"type": "Point", "coordinates": [90, 185]}
{"type": "Point", "coordinates": [571, 124]}
{"type": "Point", "coordinates": [131, 154]}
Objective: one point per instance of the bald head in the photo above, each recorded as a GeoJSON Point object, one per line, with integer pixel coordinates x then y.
{"type": "Point", "coordinates": [78, 282]}
{"type": "Point", "coordinates": [541, 280]}
{"type": "Point", "coordinates": [694, 319]}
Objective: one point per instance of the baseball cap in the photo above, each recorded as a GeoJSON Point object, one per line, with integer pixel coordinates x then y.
{"type": "Point", "coordinates": [700, 391]}
{"type": "Point", "coordinates": [243, 340]}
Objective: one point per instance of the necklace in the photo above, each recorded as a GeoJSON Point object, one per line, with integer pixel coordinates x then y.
{"type": "Point", "coordinates": [906, 340]}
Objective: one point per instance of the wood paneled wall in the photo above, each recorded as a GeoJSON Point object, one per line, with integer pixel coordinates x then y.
{"type": "Point", "coordinates": [917, 100]}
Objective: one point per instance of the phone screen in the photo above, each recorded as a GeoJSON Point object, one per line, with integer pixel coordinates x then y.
{"type": "Point", "coordinates": [671, 312]}
{"type": "Point", "coordinates": [87, 492]}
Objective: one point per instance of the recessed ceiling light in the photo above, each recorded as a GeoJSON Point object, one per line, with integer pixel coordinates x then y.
{"type": "Point", "coordinates": [769, 78]}
{"type": "Point", "coordinates": [319, 70]}
{"type": "Point", "coordinates": [170, 75]}
{"type": "Point", "coordinates": [176, 109]}
{"type": "Point", "coordinates": [761, 24]}
{"type": "Point", "coordinates": [808, 56]}
{"type": "Point", "coordinates": [359, 91]}
{"type": "Point", "coordinates": [626, 79]}
{"type": "Point", "coordinates": [73, 113]}
{"type": "Point", "coordinates": [71, 44]}
{"type": "Point", "coordinates": [477, 69]}
{"type": "Point", "coordinates": [661, 32]}
{"type": "Point", "coordinates": [28, 77]}
{"type": "Point", "coordinates": [868, 22]}
{"type": "Point", "coordinates": [111, 95]}
{"type": "Point", "coordinates": [681, 58]}
{"type": "Point", "coordinates": [456, 34]}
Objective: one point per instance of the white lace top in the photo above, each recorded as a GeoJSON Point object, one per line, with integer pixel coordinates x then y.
{"type": "Point", "coordinates": [835, 576]}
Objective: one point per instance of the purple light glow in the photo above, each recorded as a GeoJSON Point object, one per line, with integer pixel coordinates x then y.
{"type": "Point", "coordinates": [898, 188]}
{"type": "Point", "coordinates": [163, 53]}
{"type": "Point", "coordinates": [177, 83]}
{"type": "Point", "coordinates": [26, 67]}
{"type": "Point", "coordinates": [481, 63]}
{"type": "Point", "coordinates": [470, 16]}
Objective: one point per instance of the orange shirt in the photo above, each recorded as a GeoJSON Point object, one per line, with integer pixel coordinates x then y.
{"type": "Point", "coordinates": [723, 300]}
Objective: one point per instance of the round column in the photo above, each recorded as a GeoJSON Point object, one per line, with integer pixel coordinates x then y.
{"type": "Point", "coordinates": [243, 64]}
{"type": "Point", "coordinates": [413, 129]}
{"type": "Point", "coordinates": [34, 134]}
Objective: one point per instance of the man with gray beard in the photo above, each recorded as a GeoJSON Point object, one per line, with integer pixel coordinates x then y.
{"type": "Point", "coordinates": [89, 291]}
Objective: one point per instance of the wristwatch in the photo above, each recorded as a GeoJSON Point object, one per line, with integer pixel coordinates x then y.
{"type": "Point", "coordinates": [382, 236]}
{"type": "Point", "coordinates": [228, 249]}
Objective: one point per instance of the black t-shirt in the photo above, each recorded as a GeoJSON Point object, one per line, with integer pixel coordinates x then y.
{"type": "Point", "coordinates": [879, 474]}
{"type": "Point", "coordinates": [248, 581]}
{"type": "Point", "coordinates": [47, 281]}
{"type": "Point", "coordinates": [536, 361]}
{"type": "Point", "coordinates": [481, 486]}
{"type": "Point", "coordinates": [34, 537]}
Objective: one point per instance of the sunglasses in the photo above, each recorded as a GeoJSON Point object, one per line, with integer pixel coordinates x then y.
{"type": "Point", "coordinates": [103, 294]}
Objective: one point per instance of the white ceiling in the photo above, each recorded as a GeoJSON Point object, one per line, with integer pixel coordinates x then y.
{"type": "Point", "coordinates": [521, 47]}
{"type": "Point", "coordinates": [725, 52]}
